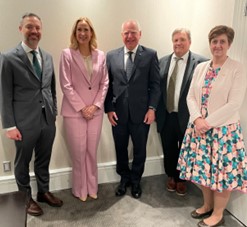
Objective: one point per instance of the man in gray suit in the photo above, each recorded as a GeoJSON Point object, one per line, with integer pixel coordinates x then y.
{"type": "Point", "coordinates": [172, 114]}
{"type": "Point", "coordinates": [29, 109]}
{"type": "Point", "coordinates": [132, 98]}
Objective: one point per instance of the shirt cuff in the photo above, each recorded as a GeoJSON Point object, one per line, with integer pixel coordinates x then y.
{"type": "Point", "coordinates": [11, 128]}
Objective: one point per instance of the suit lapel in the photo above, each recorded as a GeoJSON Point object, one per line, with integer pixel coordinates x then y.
{"type": "Point", "coordinates": [44, 64]}
{"type": "Point", "coordinates": [79, 61]}
{"type": "Point", "coordinates": [164, 69]}
{"type": "Point", "coordinates": [95, 65]}
{"type": "Point", "coordinates": [120, 63]}
{"type": "Point", "coordinates": [24, 58]}
{"type": "Point", "coordinates": [188, 72]}
{"type": "Point", "coordinates": [137, 60]}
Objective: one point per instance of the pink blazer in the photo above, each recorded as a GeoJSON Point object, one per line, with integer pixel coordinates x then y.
{"type": "Point", "coordinates": [226, 97]}
{"type": "Point", "coordinates": [77, 89]}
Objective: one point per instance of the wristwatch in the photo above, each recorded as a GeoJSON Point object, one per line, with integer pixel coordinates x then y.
{"type": "Point", "coordinates": [151, 108]}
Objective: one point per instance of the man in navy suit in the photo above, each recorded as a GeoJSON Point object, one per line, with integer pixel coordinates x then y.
{"type": "Point", "coordinates": [131, 102]}
{"type": "Point", "coordinates": [172, 123]}
{"type": "Point", "coordinates": [29, 108]}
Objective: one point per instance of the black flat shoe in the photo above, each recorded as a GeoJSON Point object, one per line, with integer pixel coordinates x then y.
{"type": "Point", "coordinates": [196, 215]}
{"type": "Point", "coordinates": [203, 224]}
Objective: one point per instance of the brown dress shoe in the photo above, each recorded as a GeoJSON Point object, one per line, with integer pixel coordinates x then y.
{"type": "Point", "coordinates": [50, 199]}
{"type": "Point", "coordinates": [171, 184]}
{"type": "Point", "coordinates": [181, 188]}
{"type": "Point", "coordinates": [33, 208]}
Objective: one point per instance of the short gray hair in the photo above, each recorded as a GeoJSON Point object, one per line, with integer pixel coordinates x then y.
{"type": "Point", "coordinates": [133, 21]}
{"type": "Point", "coordinates": [179, 30]}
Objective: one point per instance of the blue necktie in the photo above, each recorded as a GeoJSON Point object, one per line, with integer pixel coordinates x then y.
{"type": "Point", "coordinates": [36, 65]}
{"type": "Point", "coordinates": [129, 65]}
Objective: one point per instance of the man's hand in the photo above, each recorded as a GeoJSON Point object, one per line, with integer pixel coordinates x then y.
{"type": "Point", "coordinates": [149, 117]}
{"type": "Point", "coordinates": [14, 134]}
{"type": "Point", "coordinates": [112, 116]}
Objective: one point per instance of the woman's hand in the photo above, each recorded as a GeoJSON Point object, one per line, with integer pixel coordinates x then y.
{"type": "Point", "coordinates": [89, 111]}
{"type": "Point", "coordinates": [201, 126]}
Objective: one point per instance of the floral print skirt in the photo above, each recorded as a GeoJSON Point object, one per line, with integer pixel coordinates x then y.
{"type": "Point", "coordinates": [216, 160]}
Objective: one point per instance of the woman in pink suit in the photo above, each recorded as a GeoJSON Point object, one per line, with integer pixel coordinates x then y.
{"type": "Point", "coordinates": [84, 83]}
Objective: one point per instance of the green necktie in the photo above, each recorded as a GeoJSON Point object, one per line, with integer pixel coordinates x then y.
{"type": "Point", "coordinates": [36, 64]}
{"type": "Point", "coordinates": [171, 88]}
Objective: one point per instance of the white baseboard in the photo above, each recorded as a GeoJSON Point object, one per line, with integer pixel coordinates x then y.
{"type": "Point", "coordinates": [61, 178]}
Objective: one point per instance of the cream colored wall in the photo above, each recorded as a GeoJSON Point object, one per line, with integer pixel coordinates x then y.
{"type": "Point", "coordinates": [158, 18]}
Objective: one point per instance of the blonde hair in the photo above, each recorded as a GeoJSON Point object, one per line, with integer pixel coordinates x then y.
{"type": "Point", "coordinates": [73, 41]}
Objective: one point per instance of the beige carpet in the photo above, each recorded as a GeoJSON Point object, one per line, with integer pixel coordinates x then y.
{"type": "Point", "coordinates": [156, 208]}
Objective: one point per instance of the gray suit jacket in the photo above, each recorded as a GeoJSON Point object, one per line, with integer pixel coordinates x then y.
{"type": "Point", "coordinates": [132, 98]}
{"type": "Point", "coordinates": [22, 94]}
{"type": "Point", "coordinates": [183, 112]}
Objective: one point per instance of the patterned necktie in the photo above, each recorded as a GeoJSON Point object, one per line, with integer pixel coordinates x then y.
{"type": "Point", "coordinates": [36, 64]}
{"type": "Point", "coordinates": [171, 88]}
{"type": "Point", "coordinates": [129, 65]}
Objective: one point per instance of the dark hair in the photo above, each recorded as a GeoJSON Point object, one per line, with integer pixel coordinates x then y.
{"type": "Point", "coordinates": [220, 30]}
{"type": "Point", "coordinates": [29, 15]}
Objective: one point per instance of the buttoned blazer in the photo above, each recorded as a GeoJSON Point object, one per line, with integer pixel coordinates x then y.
{"type": "Point", "coordinates": [23, 94]}
{"type": "Point", "coordinates": [76, 86]}
{"type": "Point", "coordinates": [226, 96]}
{"type": "Point", "coordinates": [183, 112]}
{"type": "Point", "coordinates": [132, 98]}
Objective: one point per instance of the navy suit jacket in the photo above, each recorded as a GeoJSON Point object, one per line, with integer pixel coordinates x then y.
{"type": "Point", "coordinates": [183, 112]}
{"type": "Point", "coordinates": [23, 95]}
{"type": "Point", "coordinates": [131, 99]}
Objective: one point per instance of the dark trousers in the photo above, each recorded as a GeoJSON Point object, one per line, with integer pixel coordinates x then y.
{"type": "Point", "coordinates": [139, 136]}
{"type": "Point", "coordinates": [171, 138]}
{"type": "Point", "coordinates": [39, 140]}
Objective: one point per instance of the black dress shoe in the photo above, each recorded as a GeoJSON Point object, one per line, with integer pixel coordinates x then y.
{"type": "Point", "coordinates": [33, 208]}
{"type": "Point", "coordinates": [136, 191]}
{"type": "Point", "coordinates": [196, 215]}
{"type": "Point", "coordinates": [122, 188]}
{"type": "Point", "coordinates": [50, 199]}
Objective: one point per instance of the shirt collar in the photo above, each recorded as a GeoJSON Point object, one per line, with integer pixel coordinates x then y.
{"type": "Point", "coordinates": [27, 49]}
{"type": "Point", "coordinates": [184, 57]}
{"type": "Point", "coordinates": [127, 50]}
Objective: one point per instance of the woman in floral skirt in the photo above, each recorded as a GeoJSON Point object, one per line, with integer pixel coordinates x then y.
{"type": "Point", "coordinates": [213, 153]}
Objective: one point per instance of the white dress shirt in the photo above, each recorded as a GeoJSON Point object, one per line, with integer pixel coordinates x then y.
{"type": "Point", "coordinates": [180, 75]}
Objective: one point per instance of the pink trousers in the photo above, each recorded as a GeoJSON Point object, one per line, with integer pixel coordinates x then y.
{"type": "Point", "coordinates": [83, 139]}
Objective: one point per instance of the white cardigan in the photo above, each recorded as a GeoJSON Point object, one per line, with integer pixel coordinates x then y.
{"type": "Point", "coordinates": [226, 96]}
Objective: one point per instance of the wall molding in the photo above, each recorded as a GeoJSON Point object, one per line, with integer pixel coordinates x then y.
{"type": "Point", "coordinates": [61, 178]}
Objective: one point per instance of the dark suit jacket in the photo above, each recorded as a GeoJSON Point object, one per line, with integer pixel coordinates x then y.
{"type": "Point", "coordinates": [132, 98]}
{"type": "Point", "coordinates": [22, 94]}
{"type": "Point", "coordinates": [183, 112]}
